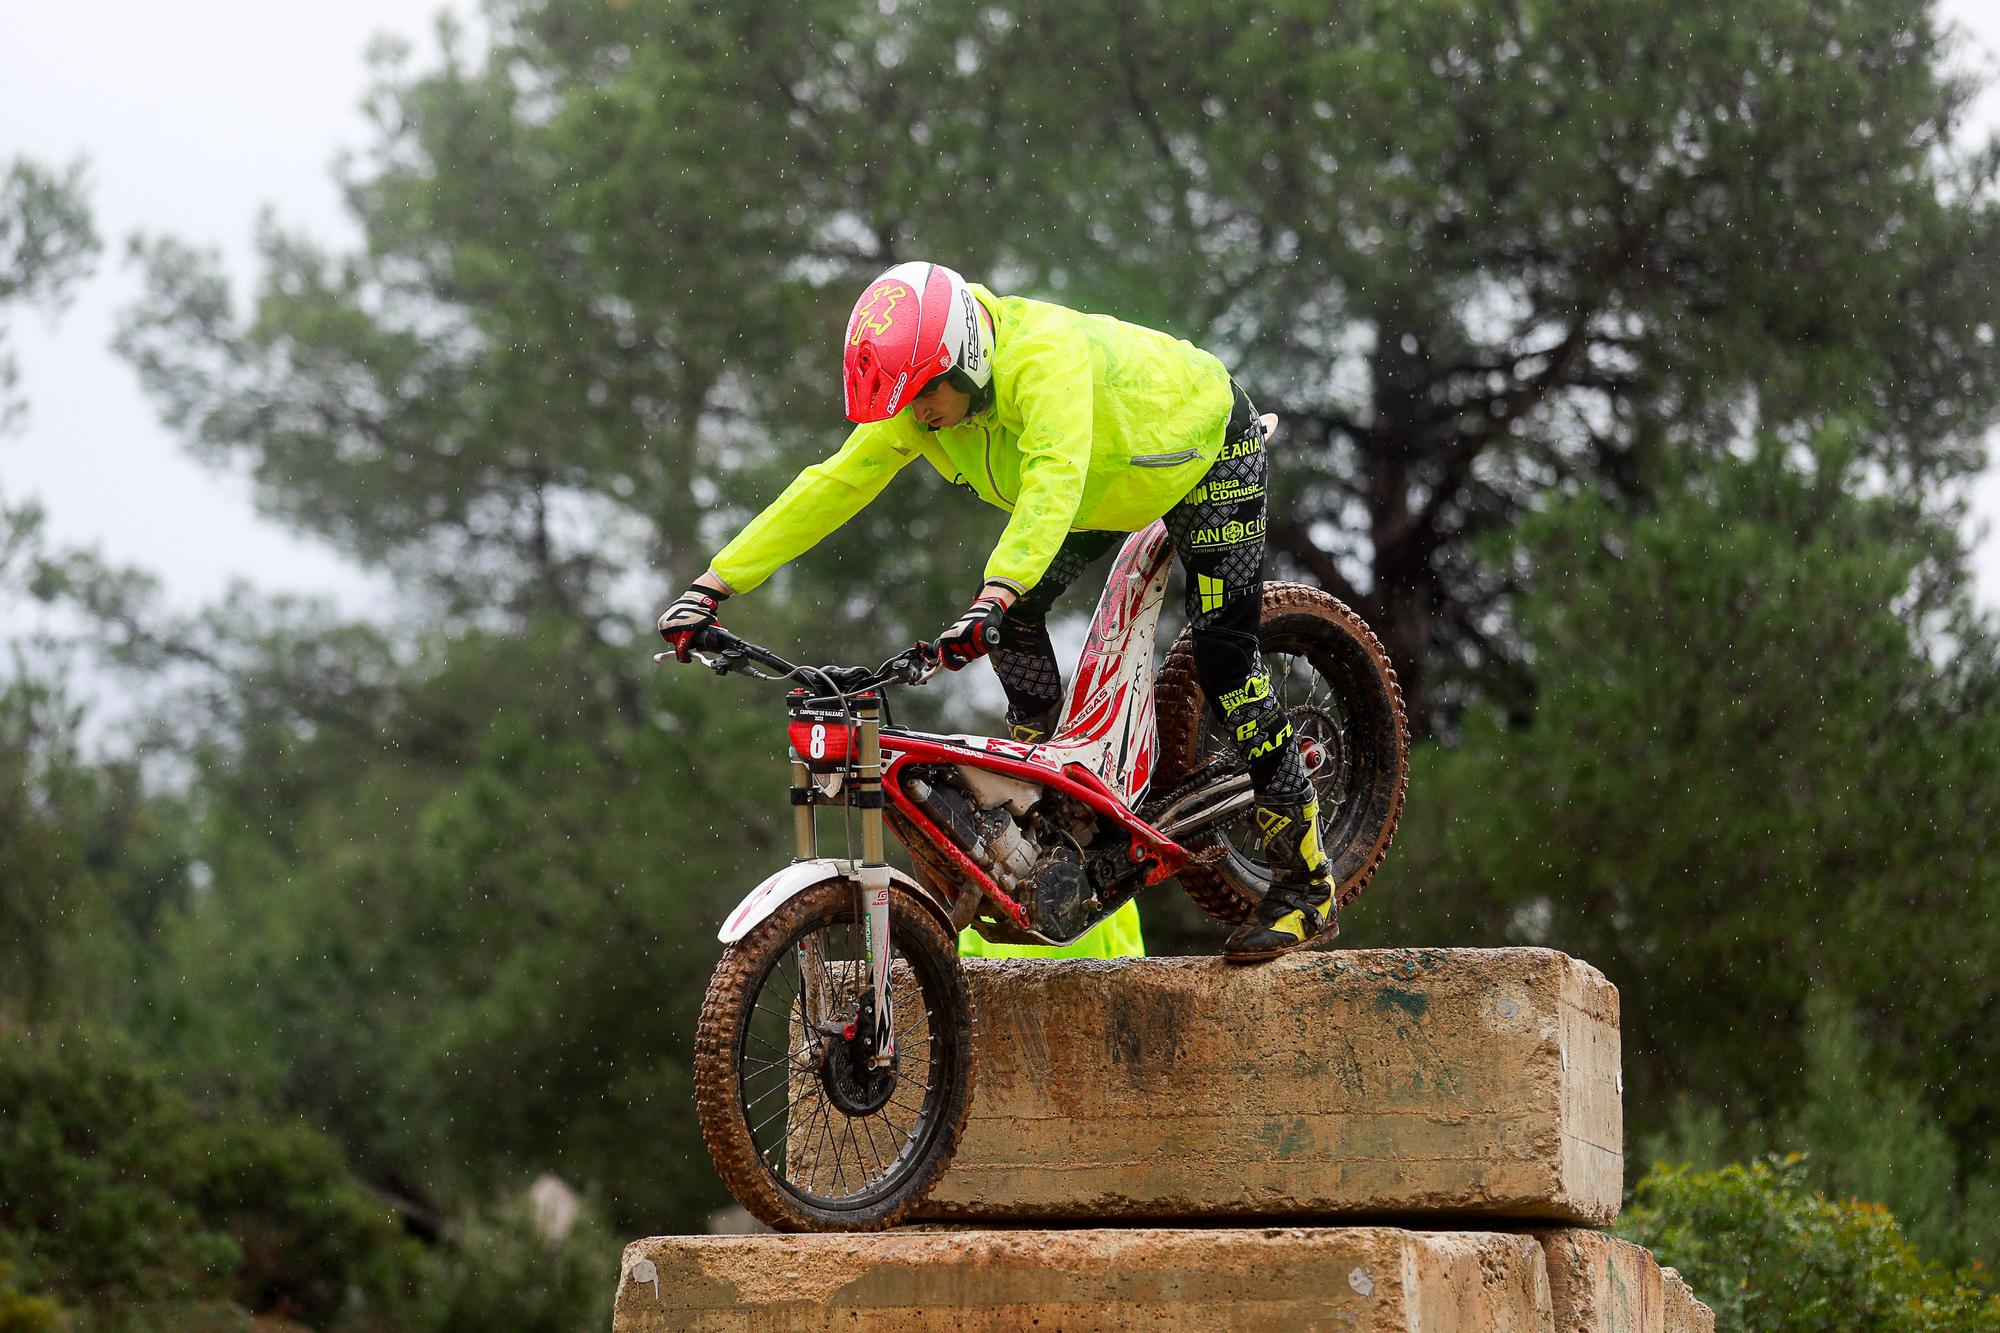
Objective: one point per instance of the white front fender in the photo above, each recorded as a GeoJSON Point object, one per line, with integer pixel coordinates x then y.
{"type": "Point", "coordinates": [795, 879]}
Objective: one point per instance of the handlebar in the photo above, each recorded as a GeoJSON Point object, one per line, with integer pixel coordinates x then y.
{"type": "Point", "coordinates": [912, 666]}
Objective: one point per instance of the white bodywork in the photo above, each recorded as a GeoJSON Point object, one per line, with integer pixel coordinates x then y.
{"type": "Point", "coordinates": [1107, 720]}
{"type": "Point", "coordinates": [1107, 724]}
{"type": "Point", "coordinates": [789, 883]}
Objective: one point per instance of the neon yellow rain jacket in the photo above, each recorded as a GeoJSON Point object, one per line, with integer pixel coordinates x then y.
{"type": "Point", "coordinates": [1094, 424]}
{"type": "Point", "coordinates": [1116, 936]}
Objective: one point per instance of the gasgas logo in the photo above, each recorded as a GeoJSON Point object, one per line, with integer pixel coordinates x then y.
{"type": "Point", "coordinates": [870, 319]}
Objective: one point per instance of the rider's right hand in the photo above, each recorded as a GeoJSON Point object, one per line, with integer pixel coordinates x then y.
{"type": "Point", "coordinates": [692, 612]}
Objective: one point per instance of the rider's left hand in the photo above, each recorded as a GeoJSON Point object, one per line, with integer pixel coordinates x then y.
{"type": "Point", "coordinates": [974, 634]}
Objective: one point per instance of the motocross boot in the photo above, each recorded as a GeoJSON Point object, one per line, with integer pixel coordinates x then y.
{"type": "Point", "coordinates": [1299, 909]}
{"type": "Point", "coordinates": [1033, 728]}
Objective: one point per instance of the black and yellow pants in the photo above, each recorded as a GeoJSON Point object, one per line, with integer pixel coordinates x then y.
{"type": "Point", "coordinates": [1218, 532]}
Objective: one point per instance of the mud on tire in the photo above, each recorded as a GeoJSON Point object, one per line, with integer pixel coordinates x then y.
{"type": "Point", "coordinates": [926, 966]}
{"type": "Point", "coordinates": [1358, 819]}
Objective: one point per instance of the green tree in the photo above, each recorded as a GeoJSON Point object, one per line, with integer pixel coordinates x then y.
{"type": "Point", "coordinates": [468, 933]}
{"type": "Point", "coordinates": [1767, 1254]}
{"type": "Point", "coordinates": [22, 1313]}
{"type": "Point", "coordinates": [1859, 1130]}
{"type": "Point", "coordinates": [91, 854]}
{"type": "Point", "coordinates": [86, 858]}
{"type": "Point", "coordinates": [1574, 257]}
{"type": "Point", "coordinates": [120, 1197]}
{"type": "Point", "coordinates": [1473, 251]}
{"type": "Point", "coordinates": [502, 1272]}
{"type": "Point", "coordinates": [1761, 743]}
{"type": "Point", "coordinates": [47, 244]}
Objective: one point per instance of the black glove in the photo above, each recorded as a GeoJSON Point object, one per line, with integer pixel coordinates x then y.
{"type": "Point", "coordinates": [692, 612]}
{"type": "Point", "coordinates": [972, 635]}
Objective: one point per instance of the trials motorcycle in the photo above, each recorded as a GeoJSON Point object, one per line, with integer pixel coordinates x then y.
{"type": "Point", "coordinates": [833, 1058]}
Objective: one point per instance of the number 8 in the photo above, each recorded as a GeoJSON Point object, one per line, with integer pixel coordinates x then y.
{"type": "Point", "coordinates": [819, 740]}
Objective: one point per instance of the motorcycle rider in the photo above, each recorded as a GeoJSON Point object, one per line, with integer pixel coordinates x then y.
{"type": "Point", "coordinates": [1085, 429]}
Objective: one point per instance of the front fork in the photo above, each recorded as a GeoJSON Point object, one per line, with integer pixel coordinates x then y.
{"type": "Point", "coordinates": [862, 791]}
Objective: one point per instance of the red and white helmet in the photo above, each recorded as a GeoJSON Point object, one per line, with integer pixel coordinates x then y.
{"type": "Point", "coordinates": [912, 324]}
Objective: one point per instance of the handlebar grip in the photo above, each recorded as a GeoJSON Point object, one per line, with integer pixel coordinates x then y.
{"type": "Point", "coordinates": [715, 639]}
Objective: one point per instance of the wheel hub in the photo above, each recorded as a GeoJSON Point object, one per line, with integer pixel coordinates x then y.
{"type": "Point", "coordinates": [1319, 742]}
{"type": "Point", "coordinates": [853, 1083]}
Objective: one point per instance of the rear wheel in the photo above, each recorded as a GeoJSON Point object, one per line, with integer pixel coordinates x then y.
{"type": "Point", "coordinates": [807, 1131]}
{"type": "Point", "coordinates": [1339, 691]}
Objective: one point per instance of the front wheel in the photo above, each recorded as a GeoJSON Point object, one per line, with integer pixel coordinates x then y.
{"type": "Point", "coordinates": [808, 1130]}
{"type": "Point", "coordinates": [1339, 691]}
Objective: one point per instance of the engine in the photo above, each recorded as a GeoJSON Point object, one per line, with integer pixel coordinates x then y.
{"type": "Point", "coordinates": [1056, 859]}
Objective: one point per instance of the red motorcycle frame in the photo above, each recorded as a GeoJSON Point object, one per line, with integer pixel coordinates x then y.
{"type": "Point", "coordinates": [1022, 843]}
{"type": "Point", "coordinates": [1101, 756]}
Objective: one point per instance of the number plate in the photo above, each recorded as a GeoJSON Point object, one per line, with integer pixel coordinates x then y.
{"type": "Point", "coordinates": [823, 742]}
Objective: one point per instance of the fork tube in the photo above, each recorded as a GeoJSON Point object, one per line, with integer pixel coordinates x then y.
{"type": "Point", "coordinates": [868, 779]}
{"type": "Point", "coordinates": [805, 839]}
{"type": "Point", "coordinates": [874, 869]}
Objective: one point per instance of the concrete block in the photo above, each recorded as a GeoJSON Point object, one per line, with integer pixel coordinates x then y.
{"type": "Point", "coordinates": [1359, 1280]}
{"type": "Point", "coordinates": [1600, 1284]}
{"type": "Point", "coordinates": [1447, 1083]}
{"type": "Point", "coordinates": [1685, 1314]}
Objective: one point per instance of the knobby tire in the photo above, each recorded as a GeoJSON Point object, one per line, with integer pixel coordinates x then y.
{"type": "Point", "coordinates": [1297, 617]}
{"type": "Point", "coordinates": [922, 944]}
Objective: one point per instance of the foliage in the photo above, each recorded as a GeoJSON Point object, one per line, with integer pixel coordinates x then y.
{"type": "Point", "coordinates": [1856, 1132]}
{"type": "Point", "coordinates": [120, 1196]}
{"type": "Point", "coordinates": [22, 1313]}
{"type": "Point", "coordinates": [47, 244]}
{"type": "Point", "coordinates": [500, 1272]}
{"type": "Point", "coordinates": [85, 858]}
{"type": "Point", "coordinates": [96, 1186]}
{"type": "Point", "coordinates": [480, 958]}
{"type": "Point", "coordinates": [1767, 1254]}
{"type": "Point", "coordinates": [1869, 1133]}
{"type": "Point", "coordinates": [309, 1236]}
{"type": "Point", "coordinates": [1764, 724]}
{"type": "Point", "coordinates": [1472, 252]}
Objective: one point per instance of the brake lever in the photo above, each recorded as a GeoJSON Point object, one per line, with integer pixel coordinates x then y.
{"type": "Point", "coordinates": [913, 665]}
{"type": "Point", "coordinates": [730, 659]}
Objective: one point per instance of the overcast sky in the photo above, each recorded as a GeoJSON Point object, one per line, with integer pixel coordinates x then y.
{"type": "Point", "coordinates": [194, 116]}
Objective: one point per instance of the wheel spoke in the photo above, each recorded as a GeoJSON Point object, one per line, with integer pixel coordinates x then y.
{"type": "Point", "coordinates": [786, 1086]}
{"type": "Point", "coordinates": [901, 1137]}
{"type": "Point", "coordinates": [873, 1151]}
{"type": "Point", "coordinates": [787, 1063]}
{"type": "Point", "coordinates": [798, 1133]}
{"type": "Point", "coordinates": [839, 1152]}
{"type": "Point", "coordinates": [822, 1134]}
{"type": "Point", "coordinates": [773, 1116]}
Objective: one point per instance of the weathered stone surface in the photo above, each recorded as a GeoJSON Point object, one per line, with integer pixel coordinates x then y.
{"type": "Point", "coordinates": [1443, 1082]}
{"type": "Point", "coordinates": [1600, 1284]}
{"type": "Point", "coordinates": [1355, 1279]}
{"type": "Point", "coordinates": [1685, 1314]}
